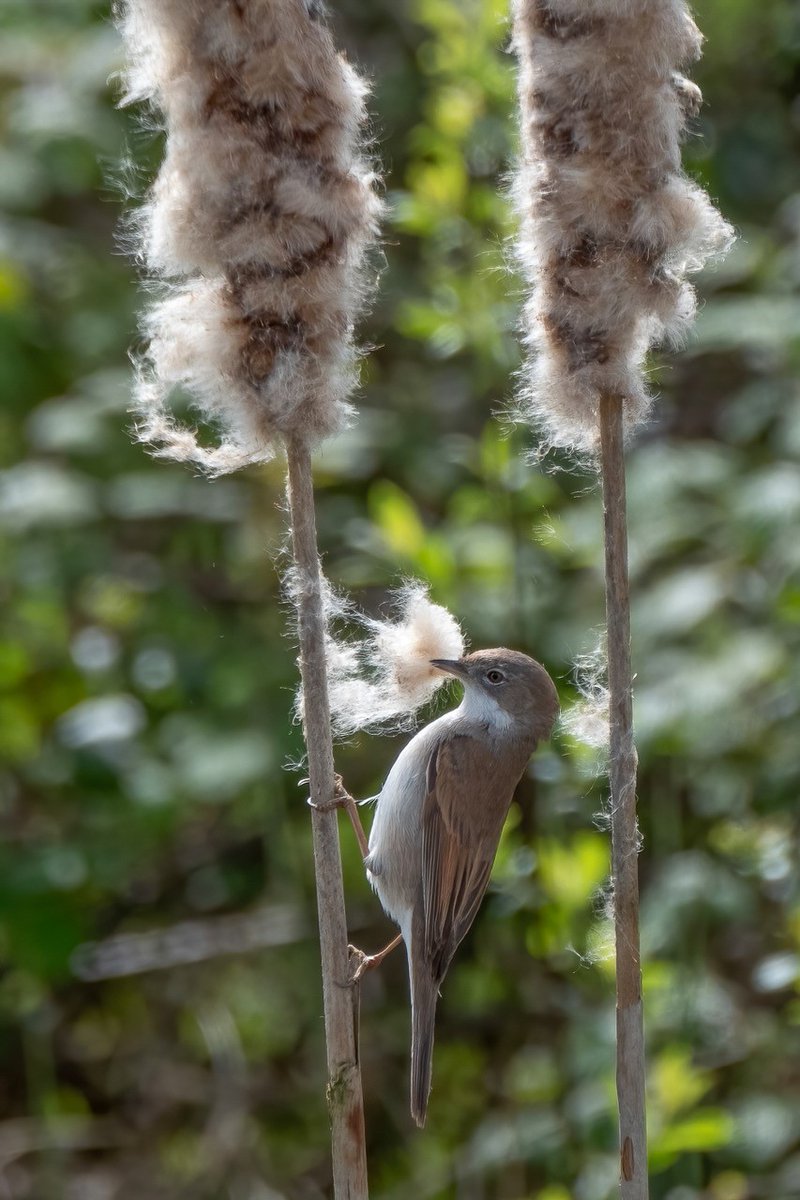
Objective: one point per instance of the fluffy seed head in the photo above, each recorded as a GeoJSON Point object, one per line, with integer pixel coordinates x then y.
{"type": "Point", "coordinates": [256, 225]}
{"type": "Point", "coordinates": [610, 223]}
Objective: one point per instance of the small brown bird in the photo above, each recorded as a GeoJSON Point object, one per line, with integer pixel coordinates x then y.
{"type": "Point", "coordinates": [438, 822]}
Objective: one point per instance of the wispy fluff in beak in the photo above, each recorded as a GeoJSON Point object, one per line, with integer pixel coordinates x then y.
{"type": "Point", "coordinates": [382, 672]}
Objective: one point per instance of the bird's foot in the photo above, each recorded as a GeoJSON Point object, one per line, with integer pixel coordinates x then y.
{"type": "Point", "coordinates": [367, 962]}
{"type": "Point", "coordinates": [341, 798]}
{"type": "Point", "coordinates": [360, 963]}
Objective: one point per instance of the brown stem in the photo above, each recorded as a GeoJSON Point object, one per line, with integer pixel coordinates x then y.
{"type": "Point", "coordinates": [624, 831]}
{"type": "Point", "coordinates": [345, 1101]}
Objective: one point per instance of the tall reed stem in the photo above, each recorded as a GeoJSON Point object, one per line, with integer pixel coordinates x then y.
{"type": "Point", "coordinates": [345, 1101]}
{"type": "Point", "coordinates": [624, 832]}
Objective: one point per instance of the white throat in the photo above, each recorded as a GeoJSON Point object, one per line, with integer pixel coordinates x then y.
{"type": "Point", "coordinates": [478, 705]}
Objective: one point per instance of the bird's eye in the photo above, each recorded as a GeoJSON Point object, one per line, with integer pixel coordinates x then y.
{"type": "Point", "coordinates": [495, 676]}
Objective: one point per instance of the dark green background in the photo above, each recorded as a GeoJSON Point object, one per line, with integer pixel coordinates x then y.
{"type": "Point", "coordinates": [146, 677]}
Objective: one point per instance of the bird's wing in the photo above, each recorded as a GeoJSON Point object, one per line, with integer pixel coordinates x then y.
{"type": "Point", "coordinates": [469, 792]}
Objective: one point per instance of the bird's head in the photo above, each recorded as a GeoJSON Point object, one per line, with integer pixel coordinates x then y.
{"type": "Point", "coordinates": [510, 681]}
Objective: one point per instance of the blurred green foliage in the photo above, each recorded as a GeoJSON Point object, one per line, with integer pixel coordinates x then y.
{"type": "Point", "coordinates": [160, 1011]}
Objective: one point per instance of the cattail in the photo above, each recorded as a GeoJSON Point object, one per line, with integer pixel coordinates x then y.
{"type": "Point", "coordinates": [256, 225]}
{"type": "Point", "coordinates": [611, 226]}
{"type": "Point", "coordinates": [256, 228]}
{"type": "Point", "coordinates": [610, 223]}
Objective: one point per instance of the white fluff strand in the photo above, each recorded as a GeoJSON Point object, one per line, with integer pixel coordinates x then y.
{"type": "Point", "coordinates": [610, 224]}
{"type": "Point", "coordinates": [256, 225]}
{"type": "Point", "coordinates": [587, 720]}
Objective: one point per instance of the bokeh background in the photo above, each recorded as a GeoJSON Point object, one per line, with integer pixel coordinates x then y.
{"type": "Point", "coordinates": [160, 1011]}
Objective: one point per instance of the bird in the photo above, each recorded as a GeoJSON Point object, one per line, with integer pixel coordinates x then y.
{"type": "Point", "coordinates": [438, 821]}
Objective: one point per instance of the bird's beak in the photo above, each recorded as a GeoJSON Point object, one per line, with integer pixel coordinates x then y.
{"type": "Point", "coordinates": [451, 666]}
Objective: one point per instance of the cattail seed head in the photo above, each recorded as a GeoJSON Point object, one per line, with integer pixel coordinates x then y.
{"type": "Point", "coordinates": [610, 223]}
{"type": "Point", "coordinates": [257, 223]}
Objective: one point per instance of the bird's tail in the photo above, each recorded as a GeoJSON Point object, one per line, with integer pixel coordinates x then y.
{"type": "Point", "coordinates": [424, 994]}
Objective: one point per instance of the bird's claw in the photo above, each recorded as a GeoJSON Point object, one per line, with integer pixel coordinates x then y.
{"type": "Point", "coordinates": [362, 963]}
{"type": "Point", "coordinates": [340, 799]}
{"type": "Point", "coordinates": [340, 793]}
{"type": "Point", "coordinates": [365, 962]}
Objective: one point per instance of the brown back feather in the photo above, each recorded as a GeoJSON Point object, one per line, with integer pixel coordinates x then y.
{"type": "Point", "coordinates": [461, 828]}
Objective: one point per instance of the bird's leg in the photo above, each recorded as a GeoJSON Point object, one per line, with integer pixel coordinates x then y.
{"type": "Point", "coordinates": [343, 799]}
{"type": "Point", "coordinates": [366, 962]}
{"type": "Point", "coordinates": [347, 801]}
